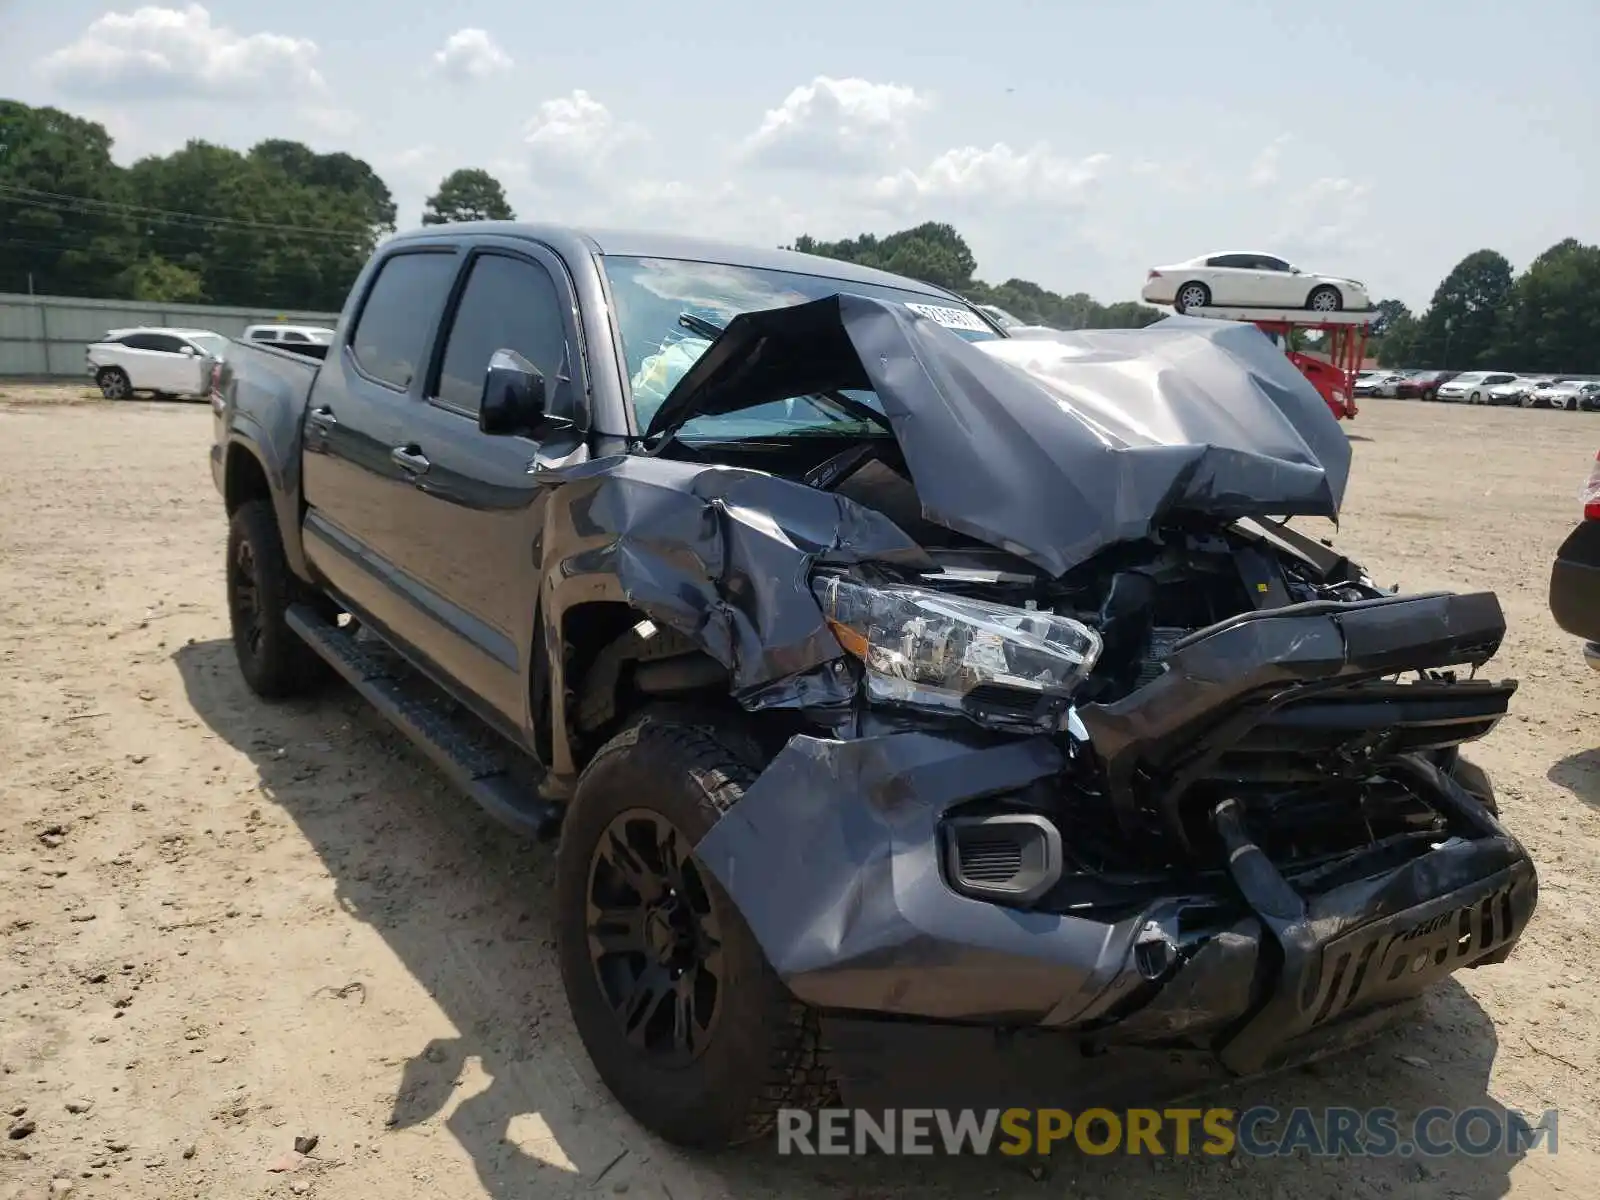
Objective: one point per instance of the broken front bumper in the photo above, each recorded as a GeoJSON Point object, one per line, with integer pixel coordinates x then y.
{"type": "Point", "coordinates": [834, 856]}
{"type": "Point", "coordinates": [839, 857]}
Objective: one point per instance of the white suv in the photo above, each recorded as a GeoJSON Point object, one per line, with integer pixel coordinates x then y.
{"type": "Point", "coordinates": [169, 362]}
{"type": "Point", "coordinates": [293, 334]}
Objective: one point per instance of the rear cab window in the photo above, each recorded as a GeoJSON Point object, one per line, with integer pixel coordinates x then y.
{"type": "Point", "coordinates": [394, 331]}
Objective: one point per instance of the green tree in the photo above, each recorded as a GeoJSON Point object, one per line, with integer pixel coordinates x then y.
{"type": "Point", "coordinates": [1552, 319]}
{"type": "Point", "coordinates": [250, 229]}
{"type": "Point", "coordinates": [1398, 345]}
{"type": "Point", "coordinates": [469, 194]}
{"type": "Point", "coordinates": [156, 279]}
{"type": "Point", "coordinates": [339, 173]}
{"type": "Point", "coordinates": [63, 220]}
{"type": "Point", "coordinates": [1460, 327]}
{"type": "Point", "coordinates": [1386, 313]}
{"type": "Point", "coordinates": [935, 253]}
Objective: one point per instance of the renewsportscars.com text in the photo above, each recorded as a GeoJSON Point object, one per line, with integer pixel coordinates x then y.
{"type": "Point", "coordinates": [1258, 1132]}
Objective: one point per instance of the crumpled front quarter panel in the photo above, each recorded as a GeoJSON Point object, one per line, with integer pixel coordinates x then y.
{"type": "Point", "coordinates": [720, 554]}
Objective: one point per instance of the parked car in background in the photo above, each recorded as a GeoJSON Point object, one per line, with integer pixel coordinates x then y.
{"type": "Point", "coordinates": [1424, 385]}
{"type": "Point", "coordinates": [1366, 383]}
{"type": "Point", "coordinates": [168, 362]}
{"type": "Point", "coordinates": [1572, 394]}
{"type": "Point", "coordinates": [1575, 577]}
{"type": "Point", "coordinates": [1389, 386]}
{"type": "Point", "coordinates": [1473, 387]}
{"type": "Point", "coordinates": [1510, 392]}
{"type": "Point", "coordinates": [1250, 280]}
{"type": "Point", "coordinates": [291, 334]}
{"type": "Point", "coordinates": [1541, 393]}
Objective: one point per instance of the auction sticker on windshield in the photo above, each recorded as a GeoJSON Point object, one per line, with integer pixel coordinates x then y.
{"type": "Point", "coordinates": [950, 318]}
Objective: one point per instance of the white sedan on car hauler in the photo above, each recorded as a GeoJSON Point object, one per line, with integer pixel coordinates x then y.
{"type": "Point", "coordinates": [1238, 279]}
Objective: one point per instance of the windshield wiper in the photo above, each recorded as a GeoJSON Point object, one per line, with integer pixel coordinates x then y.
{"type": "Point", "coordinates": [706, 329]}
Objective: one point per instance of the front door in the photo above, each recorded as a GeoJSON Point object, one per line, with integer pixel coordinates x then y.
{"type": "Point", "coordinates": [475, 516]}
{"type": "Point", "coordinates": [354, 484]}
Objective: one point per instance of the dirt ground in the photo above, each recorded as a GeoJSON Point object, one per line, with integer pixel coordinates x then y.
{"type": "Point", "coordinates": [225, 925]}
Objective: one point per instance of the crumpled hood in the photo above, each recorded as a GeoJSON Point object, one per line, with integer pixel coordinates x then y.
{"type": "Point", "coordinates": [1052, 448]}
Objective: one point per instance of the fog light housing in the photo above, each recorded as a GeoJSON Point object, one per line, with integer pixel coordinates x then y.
{"type": "Point", "coordinates": [1012, 858]}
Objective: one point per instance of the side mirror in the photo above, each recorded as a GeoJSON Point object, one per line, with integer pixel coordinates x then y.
{"type": "Point", "coordinates": [190, 351]}
{"type": "Point", "coordinates": [514, 398]}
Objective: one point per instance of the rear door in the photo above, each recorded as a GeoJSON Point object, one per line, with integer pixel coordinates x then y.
{"type": "Point", "coordinates": [475, 515]}
{"type": "Point", "coordinates": [1232, 279]}
{"type": "Point", "coordinates": [355, 484]}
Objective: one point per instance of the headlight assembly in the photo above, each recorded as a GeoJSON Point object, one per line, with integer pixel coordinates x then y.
{"type": "Point", "coordinates": [1000, 666]}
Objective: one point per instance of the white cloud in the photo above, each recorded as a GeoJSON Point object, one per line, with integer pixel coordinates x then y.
{"type": "Point", "coordinates": [330, 120]}
{"type": "Point", "coordinates": [412, 157]}
{"type": "Point", "coordinates": [1264, 170]}
{"type": "Point", "coordinates": [1328, 217]}
{"type": "Point", "coordinates": [469, 55]}
{"type": "Point", "coordinates": [572, 136]}
{"type": "Point", "coordinates": [829, 124]}
{"type": "Point", "coordinates": [155, 52]}
{"type": "Point", "coordinates": [998, 175]}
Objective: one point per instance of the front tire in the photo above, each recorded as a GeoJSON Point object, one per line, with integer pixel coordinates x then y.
{"type": "Point", "coordinates": [1325, 299]}
{"type": "Point", "coordinates": [685, 1021]}
{"type": "Point", "coordinates": [1191, 295]}
{"type": "Point", "coordinates": [1475, 398]}
{"type": "Point", "coordinates": [114, 383]}
{"type": "Point", "coordinates": [275, 662]}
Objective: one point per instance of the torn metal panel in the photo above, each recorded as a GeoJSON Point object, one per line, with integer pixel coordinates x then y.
{"type": "Point", "coordinates": [833, 859]}
{"type": "Point", "coordinates": [720, 554]}
{"type": "Point", "coordinates": [1050, 449]}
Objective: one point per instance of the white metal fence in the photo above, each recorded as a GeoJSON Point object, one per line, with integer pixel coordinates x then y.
{"type": "Point", "coordinates": [44, 336]}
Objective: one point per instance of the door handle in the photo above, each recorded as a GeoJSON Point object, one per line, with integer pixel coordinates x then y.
{"type": "Point", "coordinates": [411, 459]}
{"type": "Point", "coordinates": [323, 416]}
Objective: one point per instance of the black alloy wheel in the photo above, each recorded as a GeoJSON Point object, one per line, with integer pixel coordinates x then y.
{"type": "Point", "coordinates": [244, 597]}
{"type": "Point", "coordinates": [655, 942]}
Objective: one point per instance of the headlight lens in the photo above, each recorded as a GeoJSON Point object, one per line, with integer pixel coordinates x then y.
{"type": "Point", "coordinates": [998, 665]}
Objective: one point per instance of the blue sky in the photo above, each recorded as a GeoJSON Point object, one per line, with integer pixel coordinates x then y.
{"type": "Point", "coordinates": [1073, 144]}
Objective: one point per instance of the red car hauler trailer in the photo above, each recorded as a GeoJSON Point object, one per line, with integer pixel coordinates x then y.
{"type": "Point", "coordinates": [1333, 369]}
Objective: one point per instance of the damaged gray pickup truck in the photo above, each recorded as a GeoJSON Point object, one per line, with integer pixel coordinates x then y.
{"type": "Point", "coordinates": [918, 707]}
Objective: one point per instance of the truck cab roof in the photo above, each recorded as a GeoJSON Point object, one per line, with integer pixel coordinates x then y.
{"type": "Point", "coordinates": [635, 243]}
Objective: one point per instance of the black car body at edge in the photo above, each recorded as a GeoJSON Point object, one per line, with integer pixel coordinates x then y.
{"type": "Point", "coordinates": [1575, 577]}
{"type": "Point", "coordinates": [922, 710]}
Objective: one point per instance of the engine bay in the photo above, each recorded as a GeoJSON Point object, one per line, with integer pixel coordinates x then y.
{"type": "Point", "coordinates": [1311, 776]}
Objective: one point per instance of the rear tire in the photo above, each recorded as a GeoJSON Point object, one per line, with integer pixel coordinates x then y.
{"type": "Point", "coordinates": [114, 383]}
{"type": "Point", "coordinates": [702, 1065]}
{"type": "Point", "coordinates": [1191, 295]}
{"type": "Point", "coordinates": [275, 662]}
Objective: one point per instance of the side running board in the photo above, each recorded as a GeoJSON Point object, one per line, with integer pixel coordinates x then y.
{"type": "Point", "coordinates": [412, 705]}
